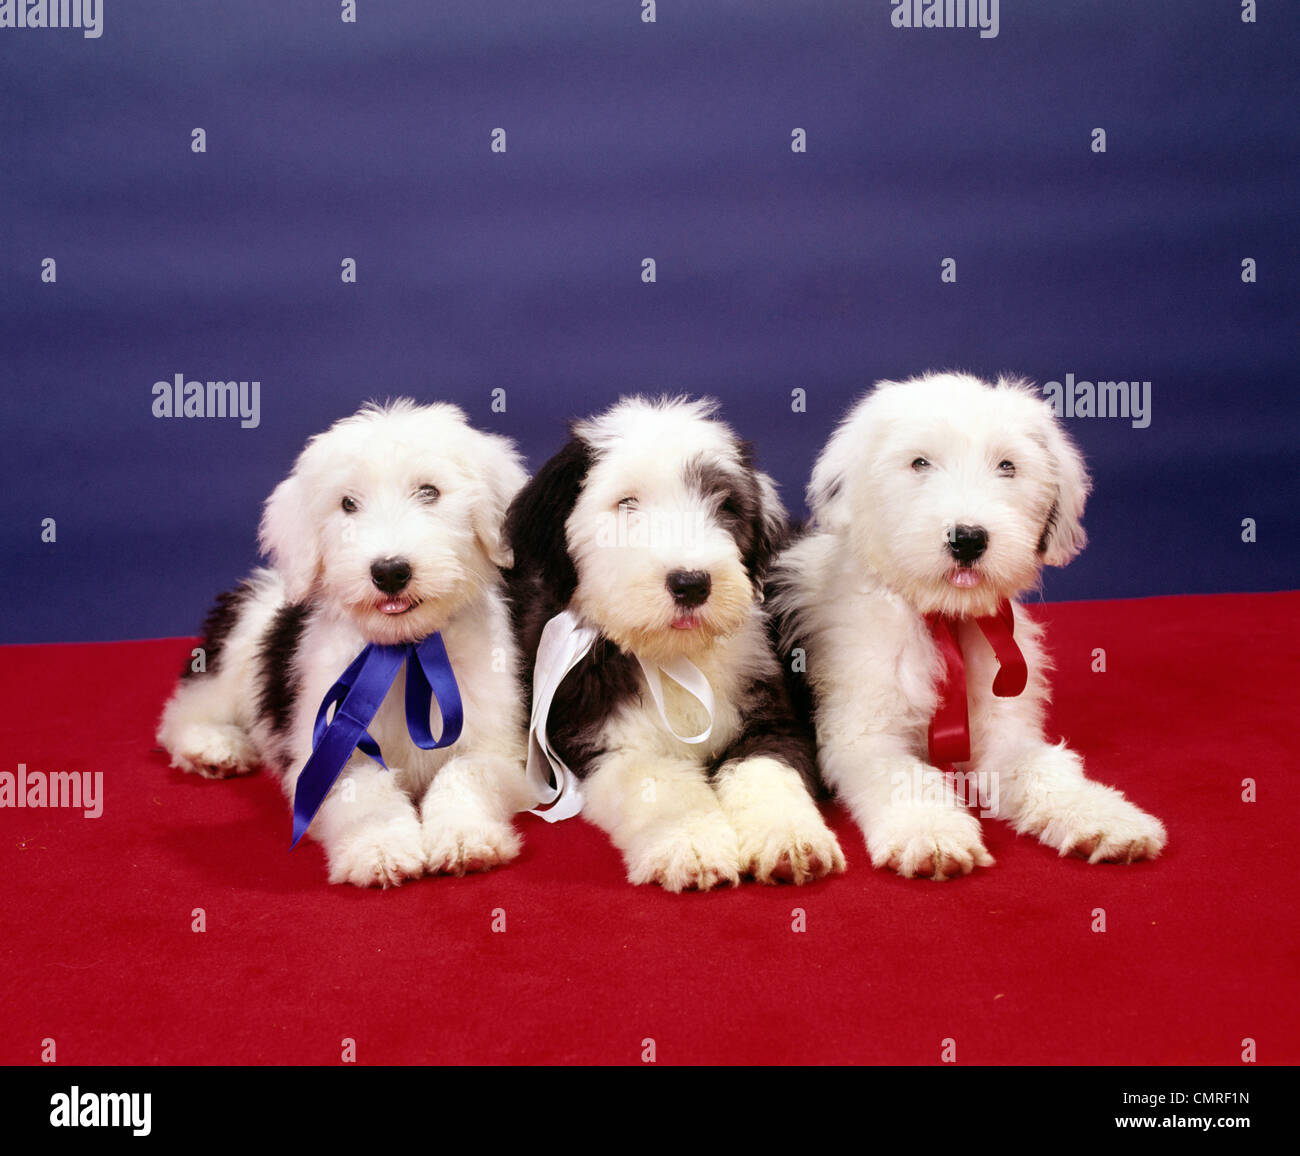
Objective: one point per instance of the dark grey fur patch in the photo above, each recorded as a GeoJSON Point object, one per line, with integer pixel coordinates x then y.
{"type": "Point", "coordinates": [593, 690]}
{"type": "Point", "coordinates": [770, 727]}
{"type": "Point", "coordinates": [1050, 526]}
{"type": "Point", "coordinates": [535, 529]}
{"type": "Point", "coordinates": [740, 507]}
{"type": "Point", "coordinates": [276, 669]}
{"type": "Point", "coordinates": [783, 635]}
{"type": "Point", "coordinates": [539, 586]}
{"type": "Point", "coordinates": [217, 626]}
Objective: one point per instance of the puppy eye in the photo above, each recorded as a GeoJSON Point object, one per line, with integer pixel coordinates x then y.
{"type": "Point", "coordinates": [1007, 468]}
{"type": "Point", "coordinates": [920, 464]}
{"type": "Point", "coordinates": [349, 505]}
{"type": "Point", "coordinates": [428, 493]}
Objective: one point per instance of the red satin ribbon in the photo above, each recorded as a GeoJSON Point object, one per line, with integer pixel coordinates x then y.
{"type": "Point", "coordinates": [950, 727]}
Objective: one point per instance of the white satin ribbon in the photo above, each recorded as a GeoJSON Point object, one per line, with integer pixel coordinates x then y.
{"type": "Point", "coordinates": [691, 679]}
{"type": "Point", "coordinates": [564, 643]}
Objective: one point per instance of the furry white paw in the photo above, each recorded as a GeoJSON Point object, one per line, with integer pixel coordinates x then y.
{"type": "Point", "coordinates": [932, 842]}
{"type": "Point", "coordinates": [452, 848]}
{"type": "Point", "coordinates": [785, 847]}
{"type": "Point", "coordinates": [1099, 824]}
{"type": "Point", "coordinates": [215, 751]}
{"type": "Point", "coordinates": [696, 855]}
{"type": "Point", "coordinates": [377, 852]}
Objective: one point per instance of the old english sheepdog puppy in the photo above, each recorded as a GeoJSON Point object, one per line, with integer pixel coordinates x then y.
{"type": "Point", "coordinates": [935, 503]}
{"type": "Point", "coordinates": [388, 529]}
{"type": "Point", "coordinates": [651, 531]}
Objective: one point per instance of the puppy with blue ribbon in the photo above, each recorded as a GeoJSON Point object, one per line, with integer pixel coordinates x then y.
{"type": "Point", "coordinates": [372, 664]}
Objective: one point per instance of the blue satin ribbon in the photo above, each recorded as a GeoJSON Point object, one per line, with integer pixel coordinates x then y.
{"type": "Point", "coordinates": [358, 694]}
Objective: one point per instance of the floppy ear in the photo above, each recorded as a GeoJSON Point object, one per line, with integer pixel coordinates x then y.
{"type": "Point", "coordinates": [826, 497]}
{"type": "Point", "coordinates": [1063, 534]}
{"type": "Point", "coordinates": [503, 475]}
{"type": "Point", "coordinates": [828, 490]}
{"type": "Point", "coordinates": [536, 518]}
{"type": "Point", "coordinates": [288, 537]}
{"type": "Point", "coordinates": [768, 527]}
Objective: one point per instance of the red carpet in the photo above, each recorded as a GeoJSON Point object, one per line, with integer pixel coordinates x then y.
{"type": "Point", "coordinates": [1200, 949]}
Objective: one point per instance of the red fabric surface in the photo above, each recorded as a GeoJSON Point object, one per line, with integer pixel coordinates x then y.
{"type": "Point", "coordinates": [1200, 949]}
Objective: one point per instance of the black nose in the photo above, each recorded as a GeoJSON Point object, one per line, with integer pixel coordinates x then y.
{"type": "Point", "coordinates": [391, 574]}
{"type": "Point", "coordinates": [689, 587]}
{"type": "Point", "coordinates": [966, 543]}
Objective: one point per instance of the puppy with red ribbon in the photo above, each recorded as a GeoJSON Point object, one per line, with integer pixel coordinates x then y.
{"type": "Point", "coordinates": [936, 503]}
{"type": "Point", "coordinates": [373, 663]}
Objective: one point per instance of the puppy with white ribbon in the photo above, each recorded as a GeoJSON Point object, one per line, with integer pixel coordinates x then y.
{"type": "Point", "coordinates": [640, 552]}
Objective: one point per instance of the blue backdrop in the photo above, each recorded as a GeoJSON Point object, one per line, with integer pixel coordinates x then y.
{"type": "Point", "coordinates": [775, 269]}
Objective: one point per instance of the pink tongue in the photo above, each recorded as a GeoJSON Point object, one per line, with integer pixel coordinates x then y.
{"type": "Point", "coordinates": [964, 578]}
{"type": "Point", "coordinates": [394, 606]}
{"type": "Point", "coordinates": [685, 622]}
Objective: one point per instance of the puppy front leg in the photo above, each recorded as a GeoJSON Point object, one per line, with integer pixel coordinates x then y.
{"type": "Point", "coordinates": [765, 782]}
{"type": "Point", "coordinates": [369, 828]}
{"type": "Point", "coordinates": [1042, 791]}
{"type": "Point", "coordinates": [466, 814]}
{"type": "Point", "coordinates": [782, 833]}
{"type": "Point", "coordinates": [663, 815]}
{"type": "Point", "coordinates": [908, 811]}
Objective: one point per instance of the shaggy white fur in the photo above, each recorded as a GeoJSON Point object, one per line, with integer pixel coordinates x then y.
{"type": "Point", "coordinates": [942, 495]}
{"type": "Point", "coordinates": [392, 486]}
